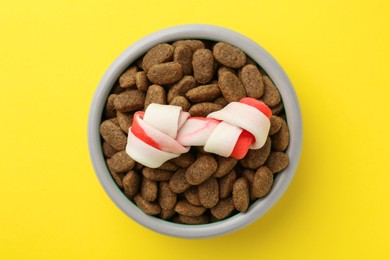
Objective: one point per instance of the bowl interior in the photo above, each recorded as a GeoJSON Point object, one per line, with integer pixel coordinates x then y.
{"type": "Point", "coordinates": [261, 57]}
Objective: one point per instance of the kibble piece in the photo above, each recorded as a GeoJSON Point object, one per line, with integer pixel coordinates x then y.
{"type": "Point", "coordinates": [181, 102]}
{"type": "Point", "coordinates": [223, 69]}
{"type": "Point", "coordinates": [181, 87]}
{"type": "Point", "coordinates": [226, 184]}
{"type": "Point", "coordinates": [183, 55]}
{"type": "Point", "coordinates": [141, 81]}
{"type": "Point", "coordinates": [114, 120]}
{"type": "Point", "coordinates": [113, 135]}
{"type": "Point", "coordinates": [165, 73]}
{"type": "Point", "coordinates": [250, 176]}
{"type": "Point", "coordinates": [231, 87]}
{"type": "Point", "coordinates": [117, 89]}
{"type": "Point", "coordinates": [281, 139]}
{"type": "Point", "coordinates": [178, 182]}
{"type": "Point", "coordinates": [184, 160]}
{"type": "Point", "coordinates": [223, 209]}
{"type": "Point", "coordinates": [125, 120]}
{"type": "Point", "coordinates": [203, 109]}
{"type": "Point", "coordinates": [192, 195]}
{"type": "Point", "coordinates": [241, 194]}
{"type": "Point", "coordinates": [277, 109]}
{"type": "Point", "coordinates": [156, 174]}
{"type": "Point", "coordinates": [130, 100]}
{"type": "Point", "coordinates": [271, 95]}
{"type": "Point", "coordinates": [167, 214]}
{"type": "Point", "coordinates": [117, 176]}
{"type": "Point", "coordinates": [252, 80]}
{"type": "Point", "coordinates": [149, 189]}
{"type": "Point", "coordinates": [127, 79]}
{"type": "Point", "coordinates": [201, 169]}
{"type": "Point", "coordinates": [256, 158]}
{"type": "Point", "coordinates": [138, 166]}
{"type": "Point", "coordinates": [167, 198]}
{"type": "Point", "coordinates": [203, 93]}
{"type": "Point", "coordinates": [109, 110]}
{"type": "Point", "coordinates": [208, 192]}
{"type": "Point", "coordinates": [193, 44]}
{"type": "Point", "coordinates": [276, 124]}
{"type": "Point", "coordinates": [150, 208]}
{"type": "Point", "coordinates": [221, 101]}
{"type": "Point", "coordinates": [229, 55]}
{"type": "Point", "coordinates": [202, 219]}
{"type": "Point", "coordinates": [169, 166]}
{"type": "Point", "coordinates": [108, 150]}
{"type": "Point", "coordinates": [185, 208]}
{"type": "Point", "coordinates": [131, 183]}
{"type": "Point", "coordinates": [121, 162]}
{"type": "Point", "coordinates": [262, 182]}
{"type": "Point", "coordinates": [158, 54]}
{"type": "Point", "coordinates": [156, 94]}
{"type": "Point", "coordinates": [225, 165]}
{"type": "Point", "coordinates": [203, 65]}
{"type": "Point", "coordinates": [277, 161]}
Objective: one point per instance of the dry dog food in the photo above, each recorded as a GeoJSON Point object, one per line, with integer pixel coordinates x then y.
{"type": "Point", "coordinates": [197, 187]}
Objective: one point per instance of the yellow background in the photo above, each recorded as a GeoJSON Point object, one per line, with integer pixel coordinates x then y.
{"type": "Point", "coordinates": [52, 56]}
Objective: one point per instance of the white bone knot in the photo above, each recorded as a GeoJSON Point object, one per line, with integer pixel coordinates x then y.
{"type": "Point", "coordinates": [164, 132]}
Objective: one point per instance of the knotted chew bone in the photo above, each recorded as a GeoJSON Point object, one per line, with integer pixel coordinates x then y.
{"type": "Point", "coordinates": [164, 132]}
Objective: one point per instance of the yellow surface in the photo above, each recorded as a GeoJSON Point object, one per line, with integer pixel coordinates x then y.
{"type": "Point", "coordinates": [52, 56]}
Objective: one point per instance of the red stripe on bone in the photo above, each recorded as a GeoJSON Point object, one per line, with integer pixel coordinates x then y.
{"type": "Point", "coordinates": [140, 133]}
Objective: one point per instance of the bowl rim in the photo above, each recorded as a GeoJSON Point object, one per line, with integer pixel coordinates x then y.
{"type": "Point", "coordinates": [261, 57]}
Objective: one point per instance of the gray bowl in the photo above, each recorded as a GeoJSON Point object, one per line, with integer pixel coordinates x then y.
{"type": "Point", "coordinates": [258, 54]}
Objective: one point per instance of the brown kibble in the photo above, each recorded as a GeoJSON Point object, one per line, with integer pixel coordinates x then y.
{"type": "Point", "coordinates": [250, 176]}
{"type": "Point", "coordinates": [203, 93]}
{"type": "Point", "coordinates": [281, 139]}
{"type": "Point", "coordinates": [231, 86]}
{"type": "Point", "coordinates": [138, 166]}
{"type": "Point", "coordinates": [167, 214]}
{"type": "Point", "coordinates": [193, 44]}
{"type": "Point", "coordinates": [168, 166]}
{"type": "Point", "coordinates": [156, 174]}
{"type": "Point", "coordinates": [201, 169]}
{"type": "Point", "coordinates": [185, 208]}
{"type": "Point", "coordinates": [131, 183]}
{"type": "Point", "coordinates": [252, 80]}
{"type": "Point", "coordinates": [156, 94]}
{"type": "Point", "coordinates": [277, 109]}
{"type": "Point", "coordinates": [130, 100]}
{"type": "Point", "coordinates": [113, 135]}
{"type": "Point", "coordinates": [198, 220]}
{"type": "Point", "coordinates": [183, 56]}
{"type": "Point", "coordinates": [167, 198]}
{"type": "Point", "coordinates": [256, 158]}
{"type": "Point", "coordinates": [150, 208]}
{"type": "Point", "coordinates": [121, 162]}
{"type": "Point", "coordinates": [127, 79]}
{"type": "Point", "coordinates": [141, 81]}
{"type": "Point", "coordinates": [203, 65]}
{"type": "Point", "coordinates": [158, 54]}
{"type": "Point", "coordinates": [114, 120]}
{"type": "Point", "coordinates": [229, 55]}
{"type": "Point", "coordinates": [271, 95]}
{"type": "Point", "coordinates": [225, 165]}
{"type": "Point", "coordinates": [181, 87]}
{"type": "Point", "coordinates": [109, 110]}
{"type": "Point", "coordinates": [178, 182]}
{"type": "Point", "coordinates": [223, 209]}
{"type": "Point", "coordinates": [221, 101]}
{"type": "Point", "coordinates": [241, 194]}
{"type": "Point", "coordinates": [108, 150]}
{"type": "Point", "coordinates": [117, 89]}
{"type": "Point", "coordinates": [276, 124]}
{"type": "Point", "coordinates": [262, 182]}
{"type": "Point", "coordinates": [226, 184]}
{"type": "Point", "coordinates": [125, 120]}
{"type": "Point", "coordinates": [149, 189]}
{"type": "Point", "coordinates": [277, 161]}
{"type": "Point", "coordinates": [203, 109]}
{"type": "Point", "coordinates": [118, 177]}
{"type": "Point", "coordinates": [223, 69]}
{"type": "Point", "coordinates": [208, 192]}
{"type": "Point", "coordinates": [184, 160]}
{"type": "Point", "coordinates": [192, 195]}
{"type": "Point", "coordinates": [165, 73]}
{"type": "Point", "coordinates": [181, 102]}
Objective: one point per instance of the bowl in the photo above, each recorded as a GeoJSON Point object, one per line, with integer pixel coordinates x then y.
{"type": "Point", "coordinates": [261, 57]}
